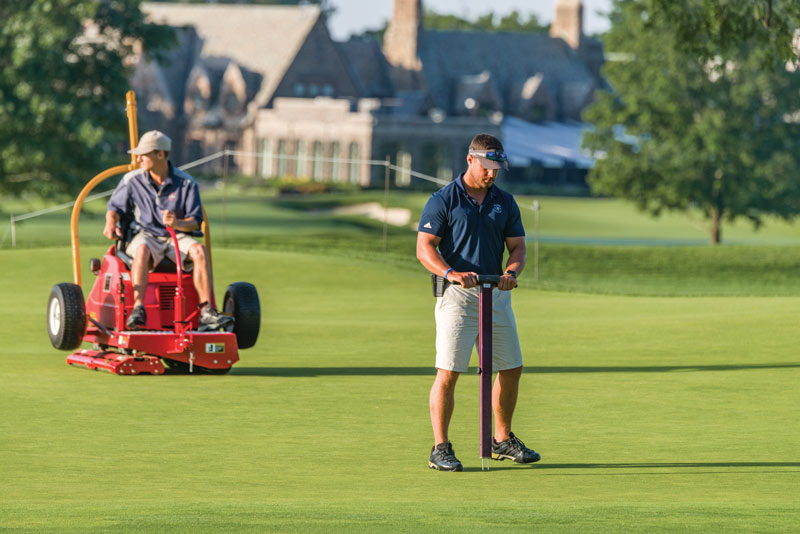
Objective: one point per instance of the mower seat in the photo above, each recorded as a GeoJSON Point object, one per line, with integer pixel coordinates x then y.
{"type": "Point", "coordinates": [130, 228]}
{"type": "Point", "coordinates": [166, 265]}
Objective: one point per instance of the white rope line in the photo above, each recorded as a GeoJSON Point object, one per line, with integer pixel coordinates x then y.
{"type": "Point", "coordinates": [51, 209]}
{"type": "Point", "coordinates": [16, 218]}
{"type": "Point", "coordinates": [200, 161]}
{"type": "Point", "coordinates": [296, 157]}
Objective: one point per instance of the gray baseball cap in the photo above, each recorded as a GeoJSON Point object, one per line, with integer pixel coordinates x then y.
{"type": "Point", "coordinates": [150, 141]}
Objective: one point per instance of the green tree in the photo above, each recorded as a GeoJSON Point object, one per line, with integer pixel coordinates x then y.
{"type": "Point", "coordinates": [680, 132]}
{"type": "Point", "coordinates": [62, 89]}
{"type": "Point", "coordinates": [712, 27]}
{"type": "Point", "coordinates": [431, 20]}
{"type": "Point", "coordinates": [512, 22]}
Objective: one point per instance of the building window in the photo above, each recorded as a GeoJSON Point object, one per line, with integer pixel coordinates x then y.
{"type": "Point", "coordinates": [327, 90]}
{"type": "Point", "coordinates": [299, 89]}
{"type": "Point", "coordinates": [265, 160]}
{"type": "Point", "coordinates": [195, 149]}
{"type": "Point", "coordinates": [436, 161]}
{"type": "Point", "coordinates": [301, 159]}
{"type": "Point", "coordinates": [313, 90]}
{"type": "Point", "coordinates": [403, 176]}
{"type": "Point", "coordinates": [444, 169]}
{"type": "Point", "coordinates": [231, 103]}
{"type": "Point", "coordinates": [230, 146]}
{"type": "Point", "coordinates": [198, 102]}
{"type": "Point", "coordinates": [283, 161]}
{"type": "Point", "coordinates": [335, 165]}
{"type": "Point", "coordinates": [353, 155]}
{"type": "Point", "coordinates": [317, 163]}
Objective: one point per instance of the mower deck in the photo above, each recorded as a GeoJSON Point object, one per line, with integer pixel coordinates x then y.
{"type": "Point", "coordinates": [113, 362]}
{"type": "Point", "coordinates": [214, 351]}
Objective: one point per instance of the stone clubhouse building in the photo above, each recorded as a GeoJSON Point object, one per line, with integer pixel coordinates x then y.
{"type": "Point", "coordinates": [270, 85]}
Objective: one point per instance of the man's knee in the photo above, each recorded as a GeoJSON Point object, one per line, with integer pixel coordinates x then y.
{"type": "Point", "coordinates": [446, 379]}
{"type": "Point", "coordinates": [141, 253]}
{"type": "Point", "coordinates": [197, 253]}
{"type": "Point", "coordinates": [510, 374]}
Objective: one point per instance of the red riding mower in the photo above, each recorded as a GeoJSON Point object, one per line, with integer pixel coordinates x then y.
{"type": "Point", "coordinates": [171, 334]}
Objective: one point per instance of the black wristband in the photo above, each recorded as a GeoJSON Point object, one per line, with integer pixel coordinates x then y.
{"type": "Point", "coordinates": [512, 273]}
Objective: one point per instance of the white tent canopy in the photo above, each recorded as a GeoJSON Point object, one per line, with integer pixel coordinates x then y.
{"type": "Point", "coordinates": [553, 144]}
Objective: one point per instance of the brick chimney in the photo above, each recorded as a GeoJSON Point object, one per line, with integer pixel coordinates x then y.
{"type": "Point", "coordinates": [401, 40]}
{"type": "Point", "coordinates": [568, 22]}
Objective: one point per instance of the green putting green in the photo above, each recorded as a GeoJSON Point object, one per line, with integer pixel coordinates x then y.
{"type": "Point", "coordinates": [652, 414]}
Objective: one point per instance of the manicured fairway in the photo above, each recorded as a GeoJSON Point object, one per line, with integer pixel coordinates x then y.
{"type": "Point", "coordinates": [652, 414]}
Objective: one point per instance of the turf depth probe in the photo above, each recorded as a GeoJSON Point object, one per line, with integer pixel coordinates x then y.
{"type": "Point", "coordinates": [487, 283]}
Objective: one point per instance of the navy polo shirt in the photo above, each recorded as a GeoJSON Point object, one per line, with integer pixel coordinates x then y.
{"type": "Point", "coordinates": [138, 195]}
{"type": "Point", "coordinates": [473, 235]}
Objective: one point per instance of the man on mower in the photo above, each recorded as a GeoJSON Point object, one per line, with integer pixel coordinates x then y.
{"type": "Point", "coordinates": [158, 195]}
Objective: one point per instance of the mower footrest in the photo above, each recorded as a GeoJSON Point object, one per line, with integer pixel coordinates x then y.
{"type": "Point", "coordinates": [120, 364]}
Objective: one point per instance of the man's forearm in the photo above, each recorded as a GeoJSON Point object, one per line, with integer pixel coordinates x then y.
{"type": "Point", "coordinates": [185, 225]}
{"type": "Point", "coordinates": [516, 260]}
{"type": "Point", "coordinates": [112, 218]}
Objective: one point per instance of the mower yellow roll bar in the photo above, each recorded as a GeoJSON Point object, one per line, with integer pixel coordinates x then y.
{"type": "Point", "coordinates": [133, 132]}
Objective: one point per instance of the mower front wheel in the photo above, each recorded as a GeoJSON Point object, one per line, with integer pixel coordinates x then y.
{"type": "Point", "coordinates": [241, 301]}
{"type": "Point", "coordinates": [66, 316]}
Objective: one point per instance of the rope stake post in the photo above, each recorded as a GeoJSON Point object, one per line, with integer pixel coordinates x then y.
{"type": "Point", "coordinates": [536, 209]}
{"type": "Point", "coordinates": [386, 206]}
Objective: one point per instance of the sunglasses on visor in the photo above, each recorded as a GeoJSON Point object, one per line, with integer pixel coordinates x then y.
{"type": "Point", "coordinates": [493, 155]}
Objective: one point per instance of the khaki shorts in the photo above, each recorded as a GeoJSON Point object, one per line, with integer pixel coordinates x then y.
{"type": "Point", "coordinates": [163, 246]}
{"type": "Point", "coordinates": [457, 329]}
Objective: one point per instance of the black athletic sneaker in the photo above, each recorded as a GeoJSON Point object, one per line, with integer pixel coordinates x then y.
{"type": "Point", "coordinates": [443, 458]}
{"type": "Point", "coordinates": [211, 319]}
{"type": "Point", "coordinates": [137, 318]}
{"type": "Point", "coordinates": [514, 449]}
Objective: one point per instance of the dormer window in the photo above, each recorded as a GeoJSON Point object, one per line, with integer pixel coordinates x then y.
{"type": "Point", "coordinates": [231, 103]}
{"type": "Point", "coordinates": [198, 101]}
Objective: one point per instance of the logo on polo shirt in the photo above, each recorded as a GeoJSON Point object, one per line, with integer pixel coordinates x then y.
{"type": "Point", "coordinates": [427, 225]}
{"type": "Point", "coordinates": [173, 197]}
{"type": "Point", "coordinates": [497, 208]}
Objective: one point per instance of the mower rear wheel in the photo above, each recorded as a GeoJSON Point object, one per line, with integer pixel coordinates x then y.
{"type": "Point", "coordinates": [66, 316]}
{"type": "Point", "coordinates": [241, 301]}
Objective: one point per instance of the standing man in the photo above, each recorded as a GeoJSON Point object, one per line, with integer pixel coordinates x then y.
{"type": "Point", "coordinates": [464, 230]}
{"type": "Point", "coordinates": [158, 195]}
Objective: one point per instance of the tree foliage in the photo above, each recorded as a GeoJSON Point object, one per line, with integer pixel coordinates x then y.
{"type": "Point", "coordinates": [62, 89]}
{"type": "Point", "coordinates": [680, 131]}
{"type": "Point", "coordinates": [710, 28]}
{"type": "Point", "coordinates": [489, 22]}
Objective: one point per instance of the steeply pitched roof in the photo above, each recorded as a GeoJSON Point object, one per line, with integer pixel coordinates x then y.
{"type": "Point", "coordinates": [263, 39]}
{"type": "Point", "coordinates": [509, 58]}
{"type": "Point", "coordinates": [369, 66]}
